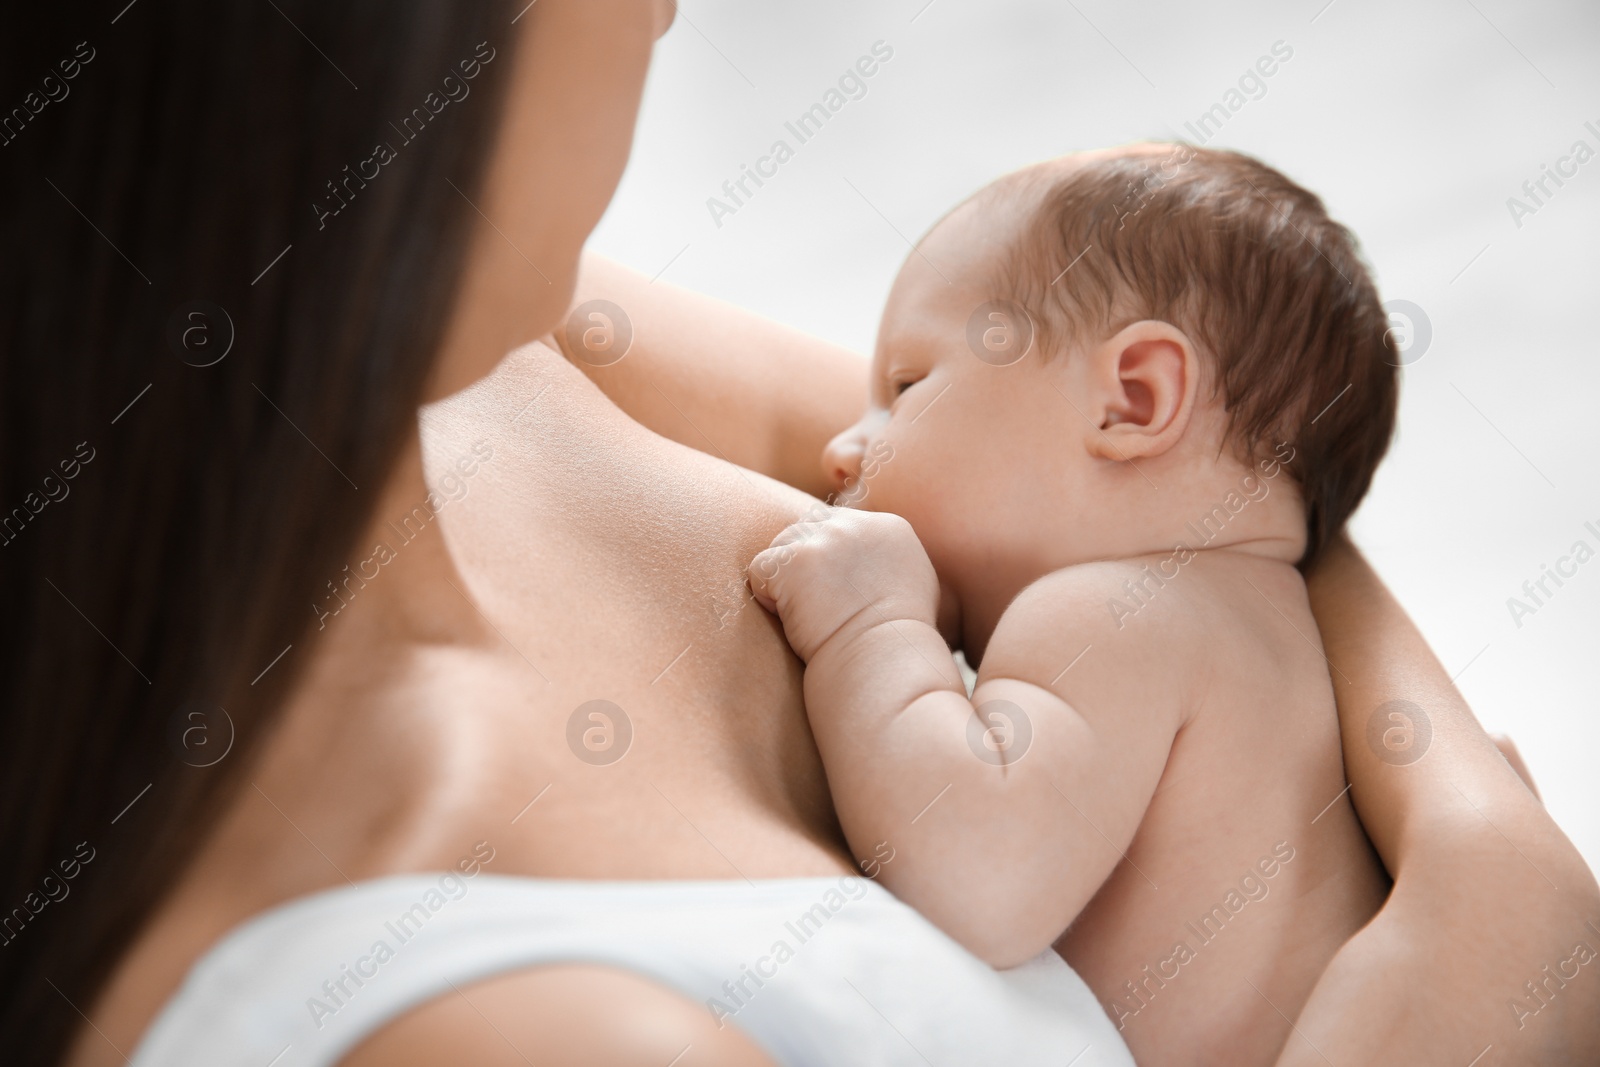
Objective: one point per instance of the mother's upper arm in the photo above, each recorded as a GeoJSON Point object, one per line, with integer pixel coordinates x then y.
{"type": "Point", "coordinates": [713, 376]}
{"type": "Point", "coordinates": [1488, 893]}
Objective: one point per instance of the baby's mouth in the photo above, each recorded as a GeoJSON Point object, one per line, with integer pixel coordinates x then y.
{"type": "Point", "coordinates": [849, 498]}
{"type": "Point", "coordinates": [852, 495]}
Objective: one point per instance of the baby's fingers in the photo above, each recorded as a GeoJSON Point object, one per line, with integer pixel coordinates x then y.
{"type": "Point", "coordinates": [763, 571]}
{"type": "Point", "coordinates": [769, 563]}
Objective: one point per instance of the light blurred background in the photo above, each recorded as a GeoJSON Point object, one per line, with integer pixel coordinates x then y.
{"type": "Point", "coordinates": [1415, 122]}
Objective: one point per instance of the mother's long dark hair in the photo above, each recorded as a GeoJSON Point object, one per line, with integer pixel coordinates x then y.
{"type": "Point", "coordinates": [201, 360]}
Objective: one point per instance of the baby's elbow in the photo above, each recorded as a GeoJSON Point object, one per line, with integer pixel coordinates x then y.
{"type": "Point", "coordinates": [997, 924]}
{"type": "Point", "coordinates": [1004, 944]}
{"type": "Point", "coordinates": [1006, 952]}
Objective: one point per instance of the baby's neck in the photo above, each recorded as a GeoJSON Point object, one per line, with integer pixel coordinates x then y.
{"type": "Point", "coordinates": [1226, 509]}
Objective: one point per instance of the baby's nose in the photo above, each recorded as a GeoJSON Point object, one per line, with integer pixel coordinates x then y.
{"type": "Point", "coordinates": [841, 459]}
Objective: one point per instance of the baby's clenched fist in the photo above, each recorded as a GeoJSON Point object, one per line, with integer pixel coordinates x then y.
{"type": "Point", "coordinates": [844, 570]}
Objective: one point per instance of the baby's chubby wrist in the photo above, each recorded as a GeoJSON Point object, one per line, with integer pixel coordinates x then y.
{"type": "Point", "coordinates": [840, 572]}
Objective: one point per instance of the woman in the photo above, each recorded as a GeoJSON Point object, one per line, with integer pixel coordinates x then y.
{"type": "Point", "coordinates": [229, 698]}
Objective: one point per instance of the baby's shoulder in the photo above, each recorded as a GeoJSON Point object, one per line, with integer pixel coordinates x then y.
{"type": "Point", "coordinates": [1116, 596]}
{"type": "Point", "coordinates": [1116, 613]}
{"type": "Point", "coordinates": [1171, 615]}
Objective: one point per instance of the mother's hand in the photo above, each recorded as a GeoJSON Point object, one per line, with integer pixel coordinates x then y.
{"type": "Point", "coordinates": [1488, 939]}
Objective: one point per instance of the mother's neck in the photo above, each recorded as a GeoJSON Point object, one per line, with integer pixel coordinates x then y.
{"type": "Point", "coordinates": [400, 584]}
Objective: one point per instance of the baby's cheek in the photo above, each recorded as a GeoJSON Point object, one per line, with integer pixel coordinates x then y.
{"type": "Point", "coordinates": [918, 492]}
{"type": "Point", "coordinates": [881, 483]}
{"type": "Point", "coordinates": [920, 463]}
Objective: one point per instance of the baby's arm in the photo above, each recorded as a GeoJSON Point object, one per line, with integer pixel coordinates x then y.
{"type": "Point", "coordinates": [1007, 811]}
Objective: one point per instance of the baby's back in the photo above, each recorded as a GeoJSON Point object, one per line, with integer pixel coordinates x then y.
{"type": "Point", "coordinates": [1249, 869]}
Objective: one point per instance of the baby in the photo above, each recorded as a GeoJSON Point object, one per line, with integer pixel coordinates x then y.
{"type": "Point", "coordinates": [1118, 400]}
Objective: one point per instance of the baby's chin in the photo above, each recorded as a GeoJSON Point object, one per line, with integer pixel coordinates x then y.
{"type": "Point", "coordinates": [851, 496]}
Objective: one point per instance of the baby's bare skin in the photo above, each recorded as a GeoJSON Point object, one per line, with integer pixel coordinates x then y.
{"type": "Point", "coordinates": [1249, 868]}
{"type": "Point", "coordinates": [1148, 773]}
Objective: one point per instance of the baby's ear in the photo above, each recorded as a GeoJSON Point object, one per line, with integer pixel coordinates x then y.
{"type": "Point", "coordinates": [1143, 383]}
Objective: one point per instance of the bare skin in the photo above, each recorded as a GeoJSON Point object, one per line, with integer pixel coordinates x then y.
{"type": "Point", "coordinates": [1153, 771]}
{"type": "Point", "coordinates": [1471, 849]}
{"type": "Point", "coordinates": [588, 556]}
{"type": "Point", "coordinates": [1174, 787]}
{"type": "Point", "coordinates": [599, 551]}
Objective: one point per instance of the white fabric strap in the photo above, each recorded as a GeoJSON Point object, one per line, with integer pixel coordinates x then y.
{"type": "Point", "coordinates": [816, 970]}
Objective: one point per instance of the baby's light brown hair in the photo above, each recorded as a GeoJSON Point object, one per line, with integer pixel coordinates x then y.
{"type": "Point", "coordinates": [1250, 266]}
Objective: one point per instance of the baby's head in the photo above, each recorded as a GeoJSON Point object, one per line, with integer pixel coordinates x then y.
{"type": "Point", "coordinates": [1090, 355]}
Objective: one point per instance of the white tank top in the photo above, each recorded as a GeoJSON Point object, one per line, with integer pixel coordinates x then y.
{"type": "Point", "coordinates": [816, 970]}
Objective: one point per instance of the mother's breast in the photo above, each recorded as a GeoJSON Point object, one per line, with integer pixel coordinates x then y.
{"type": "Point", "coordinates": [613, 562]}
{"type": "Point", "coordinates": [581, 526]}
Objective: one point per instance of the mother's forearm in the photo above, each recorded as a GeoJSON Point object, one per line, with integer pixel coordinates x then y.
{"type": "Point", "coordinates": [1489, 894]}
{"type": "Point", "coordinates": [713, 376]}
{"type": "Point", "coordinates": [1417, 760]}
